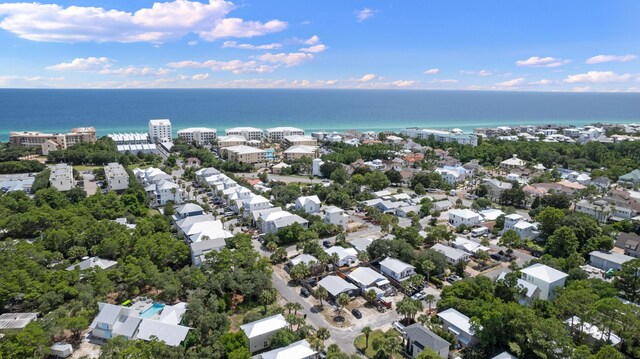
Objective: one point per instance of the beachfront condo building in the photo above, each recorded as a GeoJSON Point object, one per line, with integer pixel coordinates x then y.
{"type": "Point", "coordinates": [249, 133]}
{"type": "Point", "coordinates": [160, 130]}
{"type": "Point", "coordinates": [455, 135]}
{"type": "Point", "coordinates": [244, 154]}
{"type": "Point", "coordinates": [199, 135]}
{"type": "Point", "coordinates": [61, 177]}
{"type": "Point", "coordinates": [116, 177]}
{"type": "Point", "coordinates": [52, 141]}
{"type": "Point", "coordinates": [296, 140]}
{"type": "Point", "coordinates": [278, 134]}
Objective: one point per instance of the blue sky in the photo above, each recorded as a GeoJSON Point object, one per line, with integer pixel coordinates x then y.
{"type": "Point", "coordinates": [505, 45]}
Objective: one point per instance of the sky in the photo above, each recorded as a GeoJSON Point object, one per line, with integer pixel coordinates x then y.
{"type": "Point", "coordinates": [524, 45]}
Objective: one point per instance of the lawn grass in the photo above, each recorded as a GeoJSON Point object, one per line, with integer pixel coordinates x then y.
{"type": "Point", "coordinates": [361, 340]}
{"type": "Point", "coordinates": [86, 167]}
{"type": "Point", "coordinates": [153, 212]}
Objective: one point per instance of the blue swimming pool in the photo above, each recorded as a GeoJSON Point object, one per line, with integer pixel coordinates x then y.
{"type": "Point", "coordinates": [149, 312]}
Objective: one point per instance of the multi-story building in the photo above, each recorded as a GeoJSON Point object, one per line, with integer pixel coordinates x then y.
{"type": "Point", "coordinates": [135, 138]}
{"type": "Point", "coordinates": [230, 141]}
{"type": "Point", "coordinates": [244, 154]}
{"type": "Point", "coordinates": [61, 177]}
{"type": "Point", "coordinates": [160, 130]}
{"type": "Point", "coordinates": [199, 135]}
{"type": "Point", "coordinates": [249, 133]}
{"type": "Point", "coordinates": [52, 141]}
{"type": "Point", "coordinates": [545, 278]}
{"type": "Point", "coordinates": [296, 152]}
{"type": "Point", "coordinates": [116, 177]}
{"type": "Point", "coordinates": [454, 135]}
{"type": "Point", "coordinates": [295, 140]}
{"type": "Point", "coordinates": [278, 134]}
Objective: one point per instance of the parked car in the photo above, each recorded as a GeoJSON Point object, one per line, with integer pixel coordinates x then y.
{"type": "Point", "coordinates": [453, 278]}
{"type": "Point", "coordinates": [419, 296]}
{"type": "Point", "coordinates": [356, 313]}
{"type": "Point", "coordinates": [399, 327]}
{"type": "Point", "coordinates": [496, 256]}
{"type": "Point", "coordinates": [327, 244]}
{"type": "Point", "coordinates": [305, 292]}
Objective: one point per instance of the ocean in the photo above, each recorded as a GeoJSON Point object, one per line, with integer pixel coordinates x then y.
{"type": "Point", "coordinates": [112, 111]}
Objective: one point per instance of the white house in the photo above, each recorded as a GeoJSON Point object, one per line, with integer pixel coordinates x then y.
{"type": "Point", "coordinates": [275, 221]}
{"type": "Point", "coordinates": [365, 278]}
{"type": "Point", "coordinates": [467, 217]}
{"type": "Point", "coordinates": [336, 286]}
{"type": "Point", "coordinates": [116, 177]}
{"type": "Point", "coordinates": [298, 350]}
{"type": "Point", "coordinates": [530, 291]}
{"type": "Point", "coordinates": [459, 325]}
{"type": "Point", "coordinates": [308, 204]}
{"type": "Point", "coordinates": [545, 278]}
{"type": "Point", "coordinates": [397, 269]}
{"type": "Point", "coordinates": [262, 331]}
{"type": "Point", "coordinates": [335, 215]}
{"type": "Point", "coordinates": [468, 246]}
{"type": "Point", "coordinates": [453, 255]}
{"type": "Point", "coordinates": [525, 230]}
{"type": "Point", "coordinates": [346, 256]}
{"type": "Point", "coordinates": [255, 203]}
{"type": "Point", "coordinates": [93, 262]}
{"type": "Point", "coordinates": [361, 244]}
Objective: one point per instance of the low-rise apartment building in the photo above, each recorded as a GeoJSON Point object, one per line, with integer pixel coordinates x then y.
{"type": "Point", "coordinates": [278, 134]}
{"type": "Point", "coordinates": [116, 177]}
{"type": "Point", "coordinates": [244, 154]}
{"type": "Point", "coordinates": [47, 142]}
{"type": "Point", "coordinates": [61, 177]}
{"type": "Point", "coordinates": [199, 135]}
{"type": "Point", "coordinates": [249, 133]}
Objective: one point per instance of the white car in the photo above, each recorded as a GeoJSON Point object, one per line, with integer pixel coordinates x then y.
{"type": "Point", "coordinates": [399, 327]}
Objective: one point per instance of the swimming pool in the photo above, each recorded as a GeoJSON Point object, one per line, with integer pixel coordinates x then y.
{"type": "Point", "coordinates": [151, 311]}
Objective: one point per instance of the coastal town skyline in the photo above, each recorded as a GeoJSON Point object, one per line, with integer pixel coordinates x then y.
{"type": "Point", "coordinates": [542, 46]}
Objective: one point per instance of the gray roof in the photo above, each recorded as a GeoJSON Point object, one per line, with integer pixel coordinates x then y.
{"type": "Point", "coordinates": [336, 285]}
{"type": "Point", "coordinates": [207, 245]}
{"type": "Point", "coordinates": [109, 313]}
{"type": "Point", "coordinates": [612, 257]}
{"type": "Point", "coordinates": [449, 252]}
{"type": "Point", "coordinates": [361, 244]}
{"type": "Point", "coordinates": [289, 220]}
{"type": "Point", "coordinates": [628, 241]}
{"type": "Point", "coordinates": [504, 355]}
{"type": "Point", "coordinates": [397, 266]}
{"type": "Point", "coordinates": [16, 320]}
{"type": "Point", "coordinates": [304, 258]}
{"type": "Point", "coordinates": [93, 262]}
{"type": "Point", "coordinates": [171, 334]}
{"type": "Point", "coordinates": [189, 208]}
{"type": "Point", "coordinates": [126, 326]}
{"type": "Point", "coordinates": [366, 276]}
{"type": "Point", "coordinates": [425, 337]}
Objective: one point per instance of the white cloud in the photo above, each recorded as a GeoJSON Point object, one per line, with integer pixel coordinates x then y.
{"type": "Point", "coordinates": [599, 77]}
{"type": "Point", "coordinates": [162, 22]}
{"type": "Point", "coordinates": [581, 89]}
{"type": "Point", "coordinates": [511, 83]}
{"type": "Point", "coordinates": [444, 81]}
{"type": "Point", "coordinates": [30, 82]}
{"type": "Point", "coordinates": [233, 66]}
{"type": "Point", "coordinates": [367, 78]}
{"type": "Point", "coordinates": [312, 40]}
{"type": "Point", "coordinates": [192, 43]}
{"type": "Point", "coordinates": [135, 71]}
{"type": "Point", "coordinates": [481, 73]}
{"type": "Point", "coordinates": [315, 48]}
{"type": "Point", "coordinates": [536, 61]}
{"type": "Point", "coordinates": [236, 27]}
{"type": "Point", "coordinates": [542, 82]}
{"type": "Point", "coordinates": [289, 59]}
{"type": "Point", "coordinates": [404, 83]}
{"type": "Point", "coordinates": [235, 45]}
{"type": "Point", "coordinates": [610, 58]}
{"type": "Point", "coordinates": [83, 64]}
{"type": "Point", "coordinates": [364, 14]}
{"type": "Point", "coordinates": [198, 77]}
{"type": "Point", "coordinates": [432, 71]}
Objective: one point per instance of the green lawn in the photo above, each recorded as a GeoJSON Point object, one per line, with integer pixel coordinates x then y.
{"type": "Point", "coordinates": [361, 341]}
{"type": "Point", "coordinates": [86, 168]}
{"type": "Point", "coordinates": [153, 212]}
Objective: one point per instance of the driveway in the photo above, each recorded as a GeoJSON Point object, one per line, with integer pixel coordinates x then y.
{"type": "Point", "coordinates": [90, 185]}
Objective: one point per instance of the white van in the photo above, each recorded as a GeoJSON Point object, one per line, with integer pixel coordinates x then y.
{"type": "Point", "coordinates": [479, 232]}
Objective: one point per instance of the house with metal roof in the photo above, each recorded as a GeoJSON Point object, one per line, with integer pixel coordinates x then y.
{"type": "Point", "coordinates": [262, 331]}
{"type": "Point", "coordinates": [346, 256]}
{"type": "Point", "coordinates": [545, 278]}
{"type": "Point", "coordinates": [361, 244]}
{"type": "Point", "coordinates": [397, 269]}
{"type": "Point", "coordinates": [298, 350]}
{"type": "Point", "coordinates": [366, 278]}
{"type": "Point", "coordinates": [336, 286]}
{"type": "Point", "coordinates": [418, 338]}
{"type": "Point", "coordinates": [630, 243]}
{"type": "Point", "coordinates": [529, 293]}
{"type": "Point", "coordinates": [308, 204]}
{"type": "Point", "coordinates": [608, 260]}
{"type": "Point", "coordinates": [453, 255]}
{"type": "Point", "coordinates": [459, 325]}
{"type": "Point", "coordinates": [93, 262]}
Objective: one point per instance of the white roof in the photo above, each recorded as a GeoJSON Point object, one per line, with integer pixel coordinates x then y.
{"type": "Point", "coordinates": [333, 209]}
{"type": "Point", "coordinates": [342, 252]}
{"type": "Point", "coordinates": [464, 213]}
{"type": "Point", "coordinates": [304, 199]}
{"type": "Point", "coordinates": [335, 285]}
{"type": "Point", "coordinates": [361, 244]}
{"type": "Point", "coordinates": [504, 355]}
{"type": "Point", "coordinates": [593, 330]}
{"type": "Point", "coordinates": [301, 149]}
{"type": "Point", "coordinates": [93, 262]}
{"type": "Point", "coordinates": [303, 258]}
{"type": "Point", "coordinates": [231, 138]}
{"type": "Point", "coordinates": [531, 288]}
{"type": "Point", "coordinates": [162, 122]}
{"type": "Point", "coordinates": [298, 350]}
{"type": "Point", "coordinates": [544, 273]}
{"type": "Point", "coordinates": [449, 252]}
{"type": "Point", "coordinates": [197, 129]}
{"type": "Point", "coordinates": [243, 150]}
{"type": "Point", "coordinates": [171, 334]}
{"type": "Point", "coordinates": [514, 217]}
{"type": "Point", "coordinates": [284, 128]}
{"type": "Point", "coordinates": [366, 276]}
{"type": "Point", "coordinates": [263, 326]}
{"type": "Point", "coordinates": [395, 265]}
{"type": "Point", "coordinates": [243, 129]}
{"type": "Point", "coordinates": [457, 319]}
{"type": "Point", "coordinates": [296, 138]}
{"type": "Point", "coordinates": [523, 225]}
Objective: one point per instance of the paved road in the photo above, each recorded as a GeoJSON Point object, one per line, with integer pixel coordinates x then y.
{"type": "Point", "coordinates": [287, 179]}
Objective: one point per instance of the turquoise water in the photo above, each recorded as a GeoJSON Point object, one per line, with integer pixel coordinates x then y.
{"type": "Point", "coordinates": [151, 311]}
{"type": "Point", "coordinates": [130, 110]}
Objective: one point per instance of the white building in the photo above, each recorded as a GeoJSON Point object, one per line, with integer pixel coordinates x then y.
{"type": "Point", "coordinates": [308, 204]}
{"type": "Point", "coordinates": [608, 260]}
{"type": "Point", "coordinates": [316, 167]}
{"type": "Point", "coordinates": [467, 217]}
{"type": "Point", "coordinates": [275, 221]}
{"type": "Point", "coordinates": [513, 162]}
{"type": "Point", "coordinates": [545, 278]}
{"type": "Point", "coordinates": [255, 203]}
{"type": "Point", "coordinates": [335, 215]}
{"type": "Point", "coordinates": [61, 177]}
{"type": "Point", "coordinates": [277, 134]}
{"type": "Point", "coordinates": [159, 186]}
{"type": "Point", "coordinates": [199, 135]}
{"type": "Point", "coordinates": [442, 136]}
{"type": "Point", "coordinates": [298, 350]}
{"type": "Point", "coordinates": [262, 331]}
{"type": "Point", "coordinates": [397, 269]}
{"type": "Point", "coordinates": [453, 175]}
{"type": "Point", "coordinates": [453, 255]}
{"type": "Point", "coordinates": [249, 133]}
{"type": "Point", "coordinates": [459, 325]}
{"type": "Point", "coordinates": [346, 256]}
{"type": "Point", "coordinates": [116, 177]}
{"type": "Point", "coordinates": [160, 130]}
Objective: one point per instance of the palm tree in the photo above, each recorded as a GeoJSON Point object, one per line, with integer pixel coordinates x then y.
{"type": "Point", "coordinates": [323, 333]}
{"type": "Point", "coordinates": [363, 257]}
{"type": "Point", "coordinates": [388, 344]}
{"type": "Point", "coordinates": [370, 296]}
{"type": "Point", "coordinates": [296, 307]}
{"type": "Point", "coordinates": [266, 297]}
{"type": "Point", "coordinates": [422, 319]}
{"type": "Point", "coordinates": [427, 267]}
{"type": "Point", "coordinates": [316, 343]}
{"type": "Point", "coordinates": [335, 258]}
{"type": "Point", "coordinates": [430, 299]}
{"type": "Point", "coordinates": [366, 331]}
{"type": "Point", "coordinates": [289, 307]}
{"type": "Point", "coordinates": [343, 301]}
{"type": "Point", "coordinates": [321, 294]}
